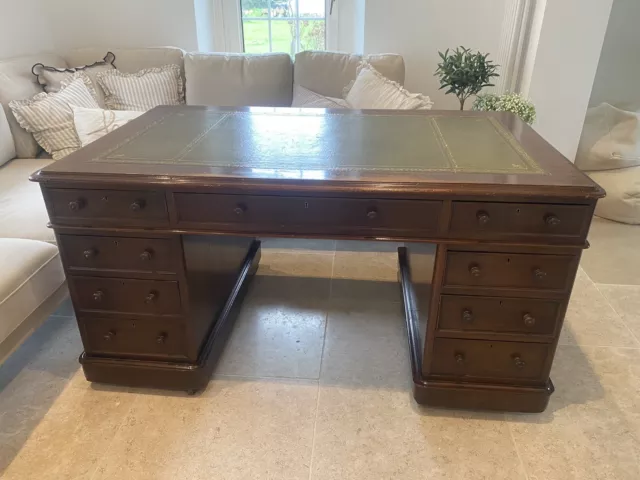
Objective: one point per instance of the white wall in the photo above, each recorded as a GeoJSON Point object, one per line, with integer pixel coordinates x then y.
{"type": "Point", "coordinates": [122, 23]}
{"type": "Point", "coordinates": [618, 76]}
{"type": "Point", "coordinates": [570, 40]}
{"type": "Point", "coordinates": [418, 29]}
{"type": "Point", "coordinates": [24, 29]}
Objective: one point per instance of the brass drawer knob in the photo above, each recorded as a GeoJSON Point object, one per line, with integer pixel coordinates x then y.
{"type": "Point", "coordinates": [146, 255]}
{"type": "Point", "coordinates": [372, 214]}
{"type": "Point", "coordinates": [467, 316]}
{"type": "Point", "coordinates": [161, 338]}
{"type": "Point", "coordinates": [459, 358]}
{"type": "Point", "coordinates": [240, 209]}
{"type": "Point", "coordinates": [519, 362]}
{"type": "Point", "coordinates": [109, 336]}
{"type": "Point", "coordinates": [151, 297]}
{"type": "Point", "coordinates": [552, 220]}
{"type": "Point", "coordinates": [137, 205]}
{"type": "Point", "coordinates": [90, 253]}
{"type": "Point", "coordinates": [98, 295]}
{"type": "Point", "coordinates": [539, 274]}
{"type": "Point", "coordinates": [483, 217]}
{"type": "Point", "coordinates": [75, 205]}
{"type": "Point", "coordinates": [529, 320]}
{"type": "Point", "coordinates": [475, 270]}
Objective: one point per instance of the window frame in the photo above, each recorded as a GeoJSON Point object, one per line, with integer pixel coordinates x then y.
{"type": "Point", "coordinates": [228, 30]}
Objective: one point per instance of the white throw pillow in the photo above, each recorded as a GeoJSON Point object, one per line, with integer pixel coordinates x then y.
{"type": "Point", "coordinates": [142, 90]}
{"type": "Point", "coordinates": [305, 98]}
{"type": "Point", "coordinates": [372, 90]}
{"type": "Point", "coordinates": [48, 116]}
{"type": "Point", "coordinates": [93, 123]}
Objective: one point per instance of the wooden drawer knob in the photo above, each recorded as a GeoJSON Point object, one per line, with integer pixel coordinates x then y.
{"type": "Point", "coordinates": [240, 209]}
{"type": "Point", "coordinates": [151, 297]}
{"type": "Point", "coordinates": [90, 253]}
{"type": "Point", "coordinates": [137, 205]}
{"type": "Point", "coordinates": [459, 358]}
{"type": "Point", "coordinates": [539, 274]}
{"type": "Point", "coordinates": [475, 270]}
{"type": "Point", "coordinates": [98, 295]}
{"type": "Point", "coordinates": [372, 214]}
{"type": "Point", "coordinates": [529, 320]}
{"type": "Point", "coordinates": [552, 220]}
{"type": "Point", "coordinates": [483, 217]}
{"type": "Point", "coordinates": [161, 338]}
{"type": "Point", "coordinates": [146, 255]}
{"type": "Point", "coordinates": [519, 362]}
{"type": "Point", "coordinates": [109, 336]}
{"type": "Point", "coordinates": [467, 316]}
{"type": "Point", "coordinates": [75, 205]}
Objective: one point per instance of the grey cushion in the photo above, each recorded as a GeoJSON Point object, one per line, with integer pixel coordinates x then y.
{"type": "Point", "coordinates": [235, 80]}
{"type": "Point", "coordinates": [7, 147]}
{"type": "Point", "coordinates": [130, 60]}
{"type": "Point", "coordinates": [18, 83]}
{"type": "Point", "coordinates": [328, 73]}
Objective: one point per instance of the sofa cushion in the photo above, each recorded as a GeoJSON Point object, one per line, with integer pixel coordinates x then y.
{"type": "Point", "coordinates": [18, 83]}
{"type": "Point", "coordinates": [51, 78]}
{"type": "Point", "coordinates": [22, 210]}
{"type": "Point", "coordinates": [305, 98]}
{"type": "Point", "coordinates": [622, 203]}
{"type": "Point", "coordinates": [7, 147]}
{"type": "Point", "coordinates": [236, 80]}
{"type": "Point", "coordinates": [328, 73]}
{"type": "Point", "coordinates": [142, 90]}
{"type": "Point", "coordinates": [131, 60]}
{"type": "Point", "coordinates": [50, 118]}
{"type": "Point", "coordinates": [31, 272]}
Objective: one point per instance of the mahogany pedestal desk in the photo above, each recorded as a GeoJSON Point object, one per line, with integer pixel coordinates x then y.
{"type": "Point", "coordinates": [156, 224]}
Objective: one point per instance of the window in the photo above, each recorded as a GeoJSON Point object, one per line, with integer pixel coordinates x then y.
{"type": "Point", "coordinates": [288, 26]}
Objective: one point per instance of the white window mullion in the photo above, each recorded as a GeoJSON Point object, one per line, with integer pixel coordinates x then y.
{"type": "Point", "coordinates": [297, 20]}
{"type": "Point", "coordinates": [270, 37]}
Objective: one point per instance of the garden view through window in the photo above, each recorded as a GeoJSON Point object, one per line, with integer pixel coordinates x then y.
{"type": "Point", "coordinates": [288, 26]}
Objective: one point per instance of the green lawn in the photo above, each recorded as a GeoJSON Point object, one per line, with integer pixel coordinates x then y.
{"type": "Point", "coordinates": [256, 36]}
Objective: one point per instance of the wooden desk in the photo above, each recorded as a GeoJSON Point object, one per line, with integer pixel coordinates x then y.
{"type": "Point", "coordinates": [156, 225]}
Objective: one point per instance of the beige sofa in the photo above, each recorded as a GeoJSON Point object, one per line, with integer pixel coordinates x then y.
{"type": "Point", "coordinates": [32, 280]}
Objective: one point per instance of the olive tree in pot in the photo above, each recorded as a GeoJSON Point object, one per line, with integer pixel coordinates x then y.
{"type": "Point", "coordinates": [465, 73]}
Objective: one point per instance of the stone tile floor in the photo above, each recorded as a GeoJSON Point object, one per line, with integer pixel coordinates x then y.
{"type": "Point", "coordinates": [314, 384]}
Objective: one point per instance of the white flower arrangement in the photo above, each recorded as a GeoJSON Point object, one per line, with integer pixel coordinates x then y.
{"type": "Point", "coordinates": [507, 102]}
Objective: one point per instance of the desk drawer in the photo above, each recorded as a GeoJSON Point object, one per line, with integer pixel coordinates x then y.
{"type": "Point", "coordinates": [508, 270]}
{"type": "Point", "coordinates": [308, 214]}
{"type": "Point", "coordinates": [146, 297]}
{"type": "Point", "coordinates": [476, 219]}
{"type": "Point", "coordinates": [134, 338]}
{"type": "Point", "coordinates": [116, 205]}
{"type": "Point", "coordinates": [479, 358]}
{"type": "Point", "coordinates": [88, 252]}
{"type": "Point", "coordinates": [497, 315]}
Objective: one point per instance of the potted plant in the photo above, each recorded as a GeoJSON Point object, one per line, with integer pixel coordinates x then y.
{"type": "Point", "coordinates": [464, 72]}
{"type": "Point", "coordinates": [507, 102]}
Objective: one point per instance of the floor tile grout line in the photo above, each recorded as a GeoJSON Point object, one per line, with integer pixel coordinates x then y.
{"type": "Point", "coordinates": [315, 428]}
{"type": "Point", "coordinates": [589, 345]}
{"type": "Point", "coordinates": [515, 446]}
{"type": "Point", "coordinates": [631, 285]}
{"type": "Point", "coordinates": [633, 335]}
{"type": "Point", "coordinates": [264, 377]}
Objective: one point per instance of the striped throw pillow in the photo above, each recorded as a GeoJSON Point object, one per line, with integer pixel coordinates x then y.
{"type": "Point", "coordinates": [49, 117]}
{"type": "Point", "coordinates": [142, 90]}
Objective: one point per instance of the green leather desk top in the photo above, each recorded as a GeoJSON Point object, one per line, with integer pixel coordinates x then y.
{"type": "Point", "coordinates": [319, 141]}
{"type": "Point", "coordinates": [385, 152]}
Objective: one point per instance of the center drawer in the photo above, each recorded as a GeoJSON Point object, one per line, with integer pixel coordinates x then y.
{"type": "Point", "coordinates": [479, 358]}
{"type": "Point", "coordinates": [509, 270]}
{"type": "Point", "coordinates": [310, 214]}
{"type": "Point", "coordinates": [146, 297]}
